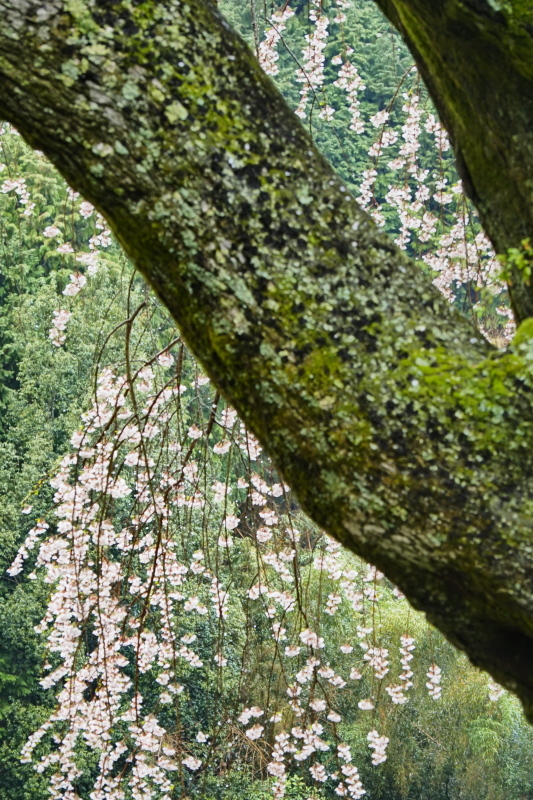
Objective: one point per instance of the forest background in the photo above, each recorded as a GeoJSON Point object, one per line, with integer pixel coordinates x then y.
{"type": "Point", "coordinates": [470, 741]}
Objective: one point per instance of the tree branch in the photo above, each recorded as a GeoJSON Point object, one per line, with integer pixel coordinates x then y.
{"type": "Point", "coordinates": [403, 433]}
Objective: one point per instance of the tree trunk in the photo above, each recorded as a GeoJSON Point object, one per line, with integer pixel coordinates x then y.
{"type": "Point", "coordinates": [403, 433]}
{"type": "Point", "coordinates": [476, 58]}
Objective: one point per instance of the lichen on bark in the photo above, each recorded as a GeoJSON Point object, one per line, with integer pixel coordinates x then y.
{"type": "Point", "coordinates": [402, 431]}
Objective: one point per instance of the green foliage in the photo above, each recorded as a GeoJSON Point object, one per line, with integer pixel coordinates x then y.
{"type": "Point", "coordinates": [519, 259]}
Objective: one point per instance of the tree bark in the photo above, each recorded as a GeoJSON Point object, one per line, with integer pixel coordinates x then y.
{"type": "Point", "coordinates": [403, 433]}
{"type": "Point", "coordinates": [476, 58]}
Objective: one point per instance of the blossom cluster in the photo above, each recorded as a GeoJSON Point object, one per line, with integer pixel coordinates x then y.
{"type": "Point", "coordinates": [267, 54]}
{"type": "Point", "coordinates": [435, 222]}
{"type": "Point", "coordinates": [124, 575]}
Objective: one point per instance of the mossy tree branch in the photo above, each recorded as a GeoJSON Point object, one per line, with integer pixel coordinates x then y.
{"type": "Point", "coordinates": [402, 431]}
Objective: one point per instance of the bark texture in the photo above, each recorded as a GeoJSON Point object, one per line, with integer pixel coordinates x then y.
{"type": "Point", "coordinates": [402, 431]}
{"type": "Point", "coordinates": [476, 57]}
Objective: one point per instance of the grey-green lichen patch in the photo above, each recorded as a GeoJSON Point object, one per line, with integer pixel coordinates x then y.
{"type": "Point", "coordinates": [403, 432]}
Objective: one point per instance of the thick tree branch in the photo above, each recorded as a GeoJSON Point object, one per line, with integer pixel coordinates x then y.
{"type": "Point", "coordinates": [403, 433]}
{"type": "Point", "coordinates": [476, 58]}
